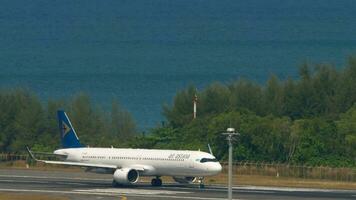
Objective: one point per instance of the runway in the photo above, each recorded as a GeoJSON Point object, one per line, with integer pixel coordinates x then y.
{"type": "Point", "coordinates": [80, 185]}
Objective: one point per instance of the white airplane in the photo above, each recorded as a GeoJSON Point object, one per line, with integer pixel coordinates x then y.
{"type": "Point", "coordinates": [127, 165]}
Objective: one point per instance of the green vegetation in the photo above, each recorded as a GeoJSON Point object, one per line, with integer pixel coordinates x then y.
{"type": "Point", "coordinates": [25, 121]}
{"type": "Point", "coordinates": [310, 121]}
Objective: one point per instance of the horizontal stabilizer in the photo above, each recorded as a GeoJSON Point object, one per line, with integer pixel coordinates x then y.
{"type": "Point", "coordinates": [31, 154]}
{"type": "Point", "coordinates": [71, 163]}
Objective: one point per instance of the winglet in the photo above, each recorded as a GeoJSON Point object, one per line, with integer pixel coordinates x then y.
{"type": "Point", "coordinates": [31, 154]}
{"type": "Point", "coordinates": [210, 151]}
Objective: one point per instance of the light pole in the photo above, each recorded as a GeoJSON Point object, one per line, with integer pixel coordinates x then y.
{"type": "Point", "coordinates": [230, 133]}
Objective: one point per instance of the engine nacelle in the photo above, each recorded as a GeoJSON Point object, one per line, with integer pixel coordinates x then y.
{"type": "Point", "coordinates": [126, 176]}
{"type": "Point", "coordinates": [184, 180]}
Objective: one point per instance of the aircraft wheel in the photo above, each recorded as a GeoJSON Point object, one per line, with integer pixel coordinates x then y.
{"type": "Point", "coordinates": [153, 182]}
{"type": "Point", "coordinates": [114, 183]}
{"type": "Point", "coordinates": [156, 182]}
{"type": "Point", "coordinates": [201, 183]}
{"type": "Point", "coordinates": [159, 182]}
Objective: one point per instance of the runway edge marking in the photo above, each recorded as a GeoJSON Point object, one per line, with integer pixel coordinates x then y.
{"type": "Point", "coordinates": [110, 194]}
{"type": "Point", "coordinates": [50, 177]}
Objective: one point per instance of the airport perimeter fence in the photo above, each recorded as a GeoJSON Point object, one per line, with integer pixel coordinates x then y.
{"type": "Point", "coordinates": [292, 171]}
{"type": "Point", "coordinates": [250, 168]}
{"type": "Point", "coordinates": [9, 157]}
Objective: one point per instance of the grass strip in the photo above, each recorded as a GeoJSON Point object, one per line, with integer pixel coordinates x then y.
{"type": "Point", "coordinates": [15, 196]}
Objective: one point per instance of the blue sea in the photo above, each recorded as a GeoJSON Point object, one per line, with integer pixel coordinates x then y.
{"type": "Point", "coordinates": [142, 52]}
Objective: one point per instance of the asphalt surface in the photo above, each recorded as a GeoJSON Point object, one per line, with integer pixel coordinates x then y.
{"type": "Point", "coordinates": [80, 185]}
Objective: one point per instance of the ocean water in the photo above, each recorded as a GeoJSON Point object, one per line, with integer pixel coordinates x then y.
{"type": "Point", "coordinates": [142, 52]}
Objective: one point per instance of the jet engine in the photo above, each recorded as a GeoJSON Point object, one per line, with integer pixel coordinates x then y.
{"type": "Point", "coordinates": [126, 176]}
{"type": "Point", "coordinates": [184, 180]}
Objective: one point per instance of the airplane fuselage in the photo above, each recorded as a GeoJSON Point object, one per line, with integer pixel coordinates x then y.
{"type": "Point", "coordinates": [152, 162]}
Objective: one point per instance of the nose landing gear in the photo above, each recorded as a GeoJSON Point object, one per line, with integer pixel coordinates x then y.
{"type": "Point", "coordinates": [201, 182]}
{"type": "Point", "coordinates": [156, 182]}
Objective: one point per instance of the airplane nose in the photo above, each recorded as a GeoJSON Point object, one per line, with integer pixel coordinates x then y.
{"type": "Point", "coordinates": [216, 168]}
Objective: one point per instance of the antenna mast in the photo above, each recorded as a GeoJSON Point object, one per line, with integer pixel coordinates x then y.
{"type": "Point", "coordinates": [195, 106]}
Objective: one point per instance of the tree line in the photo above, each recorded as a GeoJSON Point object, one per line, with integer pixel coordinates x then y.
{"type": "Point", "coordinates": [309, 120]}
{"type": "Point", "coordinates": [26, 121]}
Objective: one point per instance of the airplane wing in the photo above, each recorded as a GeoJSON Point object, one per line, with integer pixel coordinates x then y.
{"type": "Point", "coordinates": [79, 164]}
{"type": "Point", "coordinates": [72, 163]}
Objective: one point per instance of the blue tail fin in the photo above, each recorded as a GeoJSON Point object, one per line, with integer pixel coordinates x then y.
{"type": "Point", "coordinates": [68, 136]}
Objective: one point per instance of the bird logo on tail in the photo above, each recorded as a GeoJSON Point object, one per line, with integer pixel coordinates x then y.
{"type": "Point", "coordinates": [65, 129]}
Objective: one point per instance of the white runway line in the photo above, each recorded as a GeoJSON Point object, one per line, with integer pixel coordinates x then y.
{"type": "Point", "coordinates": [111, 194]}
{"type": "Point", "coordinates": [53, 177]}
{"type": "Point", "coordinates": [12, 181]}
{"type": "Point", "coordinates": [220, 189]}
{"type": "Point", "coordinates": [290, 189]}
{"type": "Point", "coordinates": [23, 181]}
{"type": "Point", "coordinates": [132, 191]}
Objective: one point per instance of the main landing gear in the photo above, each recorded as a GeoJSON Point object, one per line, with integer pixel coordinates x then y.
{"type": "Point", "coordinates": [201, 182]}
{"type": "Point", "coordinates": [115, 184]}
{"type": "Point", "coordinates": [156, 182]}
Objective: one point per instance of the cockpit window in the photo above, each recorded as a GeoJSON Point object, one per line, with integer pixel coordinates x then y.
{"type": "Point", "coordinates": [203, 160]}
